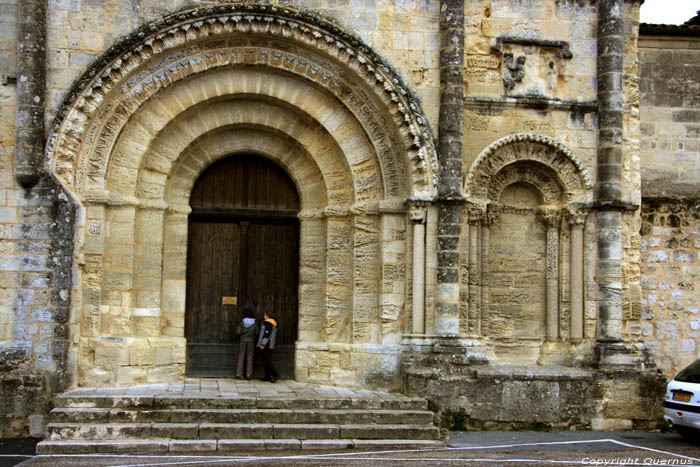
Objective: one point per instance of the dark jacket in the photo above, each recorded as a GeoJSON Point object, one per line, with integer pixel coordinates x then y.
{"type": "Point", "coordinates": [268, 334]}
{"type": "Point", "coordinates": [247, 333]}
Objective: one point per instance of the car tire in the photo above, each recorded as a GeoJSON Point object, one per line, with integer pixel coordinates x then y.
{"type": "Point", "coordinates": [691, 434]}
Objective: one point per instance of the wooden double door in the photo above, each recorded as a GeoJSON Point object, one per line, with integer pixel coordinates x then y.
{"type": "Point", "coordinates": [243, 252]}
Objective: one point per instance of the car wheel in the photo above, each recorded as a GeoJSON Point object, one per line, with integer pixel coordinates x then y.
{"type": "Point", "coordinates": [688, 433]}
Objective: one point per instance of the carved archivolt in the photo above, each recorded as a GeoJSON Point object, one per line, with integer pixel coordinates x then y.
{"type": "Point", "coordinates": [536, 176]}
{"type": "Point", "coordinates": [535, 159]}
{"type": "Point", "coordinates": [229, 36]}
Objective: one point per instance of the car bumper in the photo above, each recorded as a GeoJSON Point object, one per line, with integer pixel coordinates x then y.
{"type": "Point", "coordinates": [681, 414]}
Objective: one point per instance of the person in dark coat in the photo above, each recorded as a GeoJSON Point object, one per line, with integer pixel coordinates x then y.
{"type": "Point", "coordinates": [266, 343]}
{"type": "Point", "coordinates": [247, 329]}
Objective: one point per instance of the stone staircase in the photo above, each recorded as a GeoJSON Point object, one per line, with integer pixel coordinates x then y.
{"type": "Point", "coordinates": [314, 418]}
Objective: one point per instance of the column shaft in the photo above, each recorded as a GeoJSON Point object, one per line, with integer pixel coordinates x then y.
{"type": "Point", "coordinates": [31, 91]}
{"type": "Point", "coordinates": [609, 180]}
{"type": "Point", "coordinates": [450, 155]}
{"type": "Point", "coordinates": [485, 298]}
{"type": "Point", "coordinates": [418, 304]}
{"type": "Point", "coordinates": [576, 282]}
{"type": "Point", "coordinates": [552, 284]}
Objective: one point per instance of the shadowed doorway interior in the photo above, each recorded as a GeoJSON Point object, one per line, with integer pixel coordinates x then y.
{"type": "Point", "coordinates": [243, 251]}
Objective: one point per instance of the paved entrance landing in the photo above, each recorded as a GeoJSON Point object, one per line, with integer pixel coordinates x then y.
{"type": "Point", "coordinates": [236, 389]}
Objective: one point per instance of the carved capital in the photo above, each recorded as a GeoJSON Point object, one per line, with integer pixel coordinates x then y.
{"type": "Point", "coordinates": [550, 216]}
{"type": "Point", "coordinates": [575, 215]}
{"type": "Point", "coordinates": [417, 210]}
{"type": "Point", "coordinates": [494, 211]}
{"type": "Point", "coordinates": [476, 213]}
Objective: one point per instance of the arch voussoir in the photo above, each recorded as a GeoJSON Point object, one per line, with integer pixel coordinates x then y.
{"type": "Point", "coordinates": [522, 153]}
{"type": "Point", "coordinates": [183, 44]}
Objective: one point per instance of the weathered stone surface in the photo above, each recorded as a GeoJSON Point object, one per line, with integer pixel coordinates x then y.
{"type": "Point", "coordinates": [349, 110]}
{"type": "Point", "coordinates": [230, 430]}
{"type": "Point", "coordinates": [192, 445]}
{"type": "Point", "coordinates": [306, 431]}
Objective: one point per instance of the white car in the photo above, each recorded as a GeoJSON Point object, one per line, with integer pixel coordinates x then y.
{"type": "Point", "coordinates": [682, 402]}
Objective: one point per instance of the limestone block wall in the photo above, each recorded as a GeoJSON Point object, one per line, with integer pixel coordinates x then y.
{"type": "Point", "coordinates": [560, 33]}
{"type": "Point", "coordinates": [670, 115]}
{"type": "Point", "coordinates": [671, 280]}
{"type": "Point", "coordinates": [484, 397]}
{"type": "Point", "coordinates": [531, 67]}
{"type": "Point", "coordinates": [36, 250]}
{"type": "Point", "coordinates": [670, 155]}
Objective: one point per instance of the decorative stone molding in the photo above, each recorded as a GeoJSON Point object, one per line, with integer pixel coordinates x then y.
{"type": "Point", "coordinates": [417, 211]}
{"type": "Point", "coordinates": [337, 211]}
{"type": "Point", "coordinates": [571, 173]}
{"type": "Point", "coordinates": [550, 216]}
{"type": "Point", "coordinates": [494, 211]}
{"type": "Point", "coordinates": [311, 214]}
{"type": "Point", "coordinates": [530, 102]}
{"type": "Point", "coordinates": [576, 215]}
{"type": "Point", "coordinates": [183, 210]}
{"type": "Point", "coordinates": [562, 46]}
{"type": "Point", "coordinates": [540, 178]}
{"type": "Point", "coordinates": [475, 212]}
{"type": "Point", "coordinates": [121, 69]}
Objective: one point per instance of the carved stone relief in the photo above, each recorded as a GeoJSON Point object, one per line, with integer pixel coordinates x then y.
{"type": "Point", "coordinates": [513, 73]}
{"type": "Point", "coordinates": [531, 67]}
{"type": "Point", "coordinates": [130, 69]}
{"type": "Point", "coordinates": [523, 148]}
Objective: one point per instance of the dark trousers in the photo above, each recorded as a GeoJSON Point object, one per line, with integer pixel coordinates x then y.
{"type": "Point", "coordinates": [270, 371]}
{"type": "Point", "coordinates": [245, 356]}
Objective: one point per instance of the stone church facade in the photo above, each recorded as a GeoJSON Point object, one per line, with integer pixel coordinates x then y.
{"type": "Point", "coordinates": [465, 178]}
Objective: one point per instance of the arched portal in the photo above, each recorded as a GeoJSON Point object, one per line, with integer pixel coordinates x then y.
{"type": "Point", "coordinates": [242, 253]}
{"type": "Point", "coordinates": [147, 120]}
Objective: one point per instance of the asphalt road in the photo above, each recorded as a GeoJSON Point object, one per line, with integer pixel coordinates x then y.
{"type": "Point", "coordinates": [472, 449]}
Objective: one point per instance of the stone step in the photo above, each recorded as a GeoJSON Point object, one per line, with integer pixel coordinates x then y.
{"type": "Point", "coordinates": [193, 431]}
{"type": "Point", "coordinates": [72, 400]}
{"type": "Point", "coordinates": [225, 446]}
{"type": "Point", "coordinates": [299, 416]}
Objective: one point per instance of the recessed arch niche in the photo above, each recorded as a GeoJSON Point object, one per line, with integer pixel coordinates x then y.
{"type": "Point", "coordinates": [524, 268]}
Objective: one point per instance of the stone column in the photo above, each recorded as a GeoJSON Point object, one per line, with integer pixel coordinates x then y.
{"type": "Point", "coordinates": [577, 219]}
{"type": "Point", "coordinates": [491, 216]}
{"type": "Point", "coordinates": [450, 155]}
{"type": "Point", "coordinates": [31, 90]}
{"type": "Point", "coordinates": [609, 182]}
{"type": "Point", "coordinates": [476, 216]}
{"type": "Point", "coordinates": [551, 219]}
{"type": "Point", "coordinates": [417, 214]}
